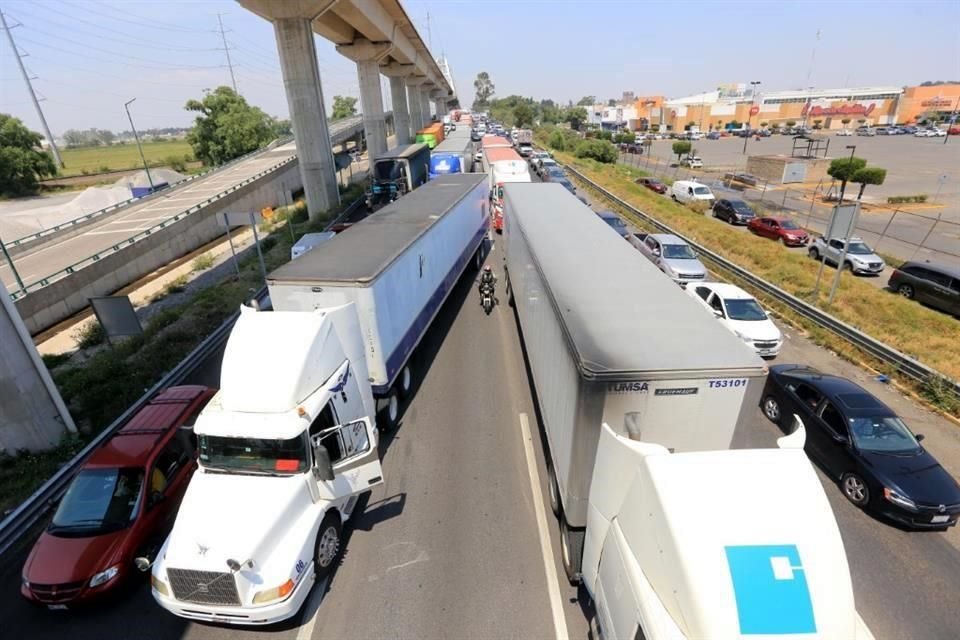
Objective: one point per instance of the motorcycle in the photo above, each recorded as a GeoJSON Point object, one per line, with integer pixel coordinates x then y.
{"type": "Point", "coordinates": [486, 297]}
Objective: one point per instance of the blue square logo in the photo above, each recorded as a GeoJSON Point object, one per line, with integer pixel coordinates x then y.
{"type": "Point", "coordinates": [771, 589]}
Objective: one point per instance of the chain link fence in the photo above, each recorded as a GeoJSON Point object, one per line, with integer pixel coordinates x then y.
{"type": "Point", "coordinates": [902, 232]}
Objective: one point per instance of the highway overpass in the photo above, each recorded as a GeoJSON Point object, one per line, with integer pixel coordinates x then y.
{"type": "Point", "coordinates": [61, 271]}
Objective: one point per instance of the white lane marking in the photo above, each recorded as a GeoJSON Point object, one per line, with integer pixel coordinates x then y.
{"type": "Point", "coordinates": [546, 546]}
{"type": "Point", "coordinates": [310, 610]}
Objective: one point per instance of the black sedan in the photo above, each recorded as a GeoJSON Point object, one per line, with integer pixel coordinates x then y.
{"type": "Point", "coordinates": [733, 211]}
{"type": "Point", "coordinates": [861, 443]}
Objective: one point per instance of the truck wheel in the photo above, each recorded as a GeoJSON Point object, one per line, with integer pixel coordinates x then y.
{"type": "Point", "coordinates": [555, 504]}
{"type": "Point", "coordinates": [571, 551]}
{"type": "Point", "coordinates": [390, 414]}
{"type": "Point", "coordinates": [327, 550]}
{"type": "Point", "coordinates": [405, 381]}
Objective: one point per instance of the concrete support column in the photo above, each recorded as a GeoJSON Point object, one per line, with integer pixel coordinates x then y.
{"type": "Point", "coordinates": [308, 115]}
{"type": "Point", "coordinates": [371, 101]}
{"type": "Point", "coordinates": [440, 106]}
{"type": "Point", "coordinates": [401, 115]}
{"type": "Point", "coordinates": [416, 114]}
{"type": "Point", "coordinates": [425, 105]}
{"type": "Point", "coordinates": [367, 55]}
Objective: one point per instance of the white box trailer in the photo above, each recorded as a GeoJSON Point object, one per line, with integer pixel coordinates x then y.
{"type": "Point", "coordinates": [594, 333]}
{"type": "Point", "coordinates": [640, 394]}
{"type": "Point", "coordinates": [398, 266]}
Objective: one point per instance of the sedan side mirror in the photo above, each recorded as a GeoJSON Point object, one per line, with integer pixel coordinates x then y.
{"type": "Point", "coordinates": [142, 564]}
{"type": "Point", "coordinates": [840, 439]}
{"type": "Point", "coordinates": [717, 313]}
{"type": "Point", "coordinates": [322, 466]}
{"type": "Point", "coordinates": [919, 437]}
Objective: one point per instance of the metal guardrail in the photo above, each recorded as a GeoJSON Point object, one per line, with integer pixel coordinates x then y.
{"type": "Point", "coordinates": [25, 517]}
{"type": "Point", "coordinates": [119, 205]}
{"type": "Point", "coordinates": [43, 282]}
{"type": "Point", "coordinates": [906, 365]}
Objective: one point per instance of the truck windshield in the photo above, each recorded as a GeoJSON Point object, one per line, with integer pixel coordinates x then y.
{"type": "Point", "coordinates": [678, 252]}
{"type": "Point", "coordinates": [99, 501]}
{"type": "Point", "coordinates": [253, 455]}
{"type": "Point", "coordinates": [388, 170]}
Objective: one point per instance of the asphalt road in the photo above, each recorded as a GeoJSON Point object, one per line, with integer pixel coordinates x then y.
{"type": "Point", "coordinates": [450, 546]}
{"type": "Point", "coordinates": [50, 258]}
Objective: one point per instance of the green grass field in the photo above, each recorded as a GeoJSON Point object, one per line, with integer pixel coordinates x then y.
{"type": "Point", "coordinates": [90, 160]}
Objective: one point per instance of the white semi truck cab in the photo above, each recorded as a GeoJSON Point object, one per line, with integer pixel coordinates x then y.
{"type": "Point", "coordinates": [286, 447]}
{"type": "Point", "coordinates": [714, 544]}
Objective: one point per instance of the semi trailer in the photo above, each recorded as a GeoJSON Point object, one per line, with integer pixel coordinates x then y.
{"type": "Point", "coordinates": [672, 533]}
{"type": "Point", "coordinates": [396, 172]}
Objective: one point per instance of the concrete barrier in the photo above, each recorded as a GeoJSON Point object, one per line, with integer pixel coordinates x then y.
{"type": "Point", "coordinates": [62, 298]}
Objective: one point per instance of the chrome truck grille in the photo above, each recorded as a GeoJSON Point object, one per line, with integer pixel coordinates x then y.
{"type": "Point", "coordinates": [204, 587]}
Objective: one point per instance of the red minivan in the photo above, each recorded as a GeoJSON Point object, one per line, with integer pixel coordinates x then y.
{"type": "Point", "coordinates": [120, 505]}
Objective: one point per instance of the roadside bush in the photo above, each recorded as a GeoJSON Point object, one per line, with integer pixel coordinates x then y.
{"type": "Point", "coordinates": [54, 360]}
{"type": "Point", "coordinates": [176, 163]}
{"type": "Point", "coordinates": [176, 286]}
{"type": "Point", "coordinates": [600, 150]}
{"type": "Point", "coordinates": [202, 262]}
{"type": "Point", "coordinates": [90, 335]}
{"type": "Point", "coordinates": [922, 197]}
{"type": "Point", "coordinates": [556, 141]}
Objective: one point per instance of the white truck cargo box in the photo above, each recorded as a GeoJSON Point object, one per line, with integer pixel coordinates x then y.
{"type": "Point", "coordinates": [398, 266]}
{"type": "Point", "coordinates": [309, 241]}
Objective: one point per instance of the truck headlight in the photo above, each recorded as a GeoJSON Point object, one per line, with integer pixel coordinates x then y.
{"type": "Point", "coordinates": [104, 576]}
{"type": "Point", "coordinates": [159, 586]}
{"type": "Point", "coordinates": [899, 499]}
{"type": "Point", "coordinates": [276, 593]}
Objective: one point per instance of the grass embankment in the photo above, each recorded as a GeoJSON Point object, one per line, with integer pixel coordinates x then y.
{"type": "Point", "coordinates": [99, 390]}
{"type": "Point", "coordinates": [116, 157]}
{"type": "Point", "coordinates": [930, 336]}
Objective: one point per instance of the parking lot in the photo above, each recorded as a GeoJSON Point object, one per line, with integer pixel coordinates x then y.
{"type": "Point", "coordinates": [914, 166]}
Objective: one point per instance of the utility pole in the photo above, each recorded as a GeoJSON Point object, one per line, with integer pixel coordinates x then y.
{"type": "Point", "coordinates": [226, 49]}
{"type": "Point", "coordinates": [136, 136]}
{"type": "Point", "coordinates": [33, 95]}
{"type": "Point", "coordinates": [429, 34]}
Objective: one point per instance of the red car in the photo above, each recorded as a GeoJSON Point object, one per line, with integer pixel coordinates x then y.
{"type": "Point", "coordinates": [653, 184]}
{"type": "Point", "coordinates": [777, 228]}
{"type": "Point", "coordinates": [120, 505]}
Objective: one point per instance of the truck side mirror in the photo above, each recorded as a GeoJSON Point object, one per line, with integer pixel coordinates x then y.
{"type": "Point", "coordinates": [322, 466]}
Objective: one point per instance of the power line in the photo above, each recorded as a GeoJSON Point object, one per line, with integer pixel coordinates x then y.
{"type": "Point", "coordinates": [119, 61]}
{"type": "Point", "coordinates": [33, 95]}
{"type": "Point", "coordinates": [153, 24]}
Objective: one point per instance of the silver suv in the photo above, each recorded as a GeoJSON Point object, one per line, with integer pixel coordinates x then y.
{"type": "Point", "coordinates": [860, 258]}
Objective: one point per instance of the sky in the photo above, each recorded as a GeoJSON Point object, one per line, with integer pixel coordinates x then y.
{"type": "Point", "coordinates": [88, 57]}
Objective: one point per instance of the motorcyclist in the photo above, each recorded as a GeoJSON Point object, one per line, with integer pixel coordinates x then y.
{"type": "Point", "coordinates": [487, 280]}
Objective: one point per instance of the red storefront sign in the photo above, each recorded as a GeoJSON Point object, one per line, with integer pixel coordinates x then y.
{"type": "Point", "coordinates": [754, 110]}
{"type": "Point", "coordinates": [855, 109]}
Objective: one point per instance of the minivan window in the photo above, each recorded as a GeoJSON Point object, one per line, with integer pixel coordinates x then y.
{"type": "Point", "coordinates": [940, 278]}
{"type": "Point", "coordinates": [702, 191]}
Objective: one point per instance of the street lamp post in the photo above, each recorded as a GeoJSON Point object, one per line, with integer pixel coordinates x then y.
{"type": "Point", "coordinates": [136, 136]}
{"type": "Point", "coordinates": [807, 111]}
{"type": "Point", "coordinates": [753, 93]}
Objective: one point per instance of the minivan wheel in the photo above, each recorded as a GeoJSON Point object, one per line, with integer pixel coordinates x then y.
{"type": "Point", "coordinates": [906, 290]}
{"type": "Point", "coordinates": [771, 409]}
{"type": "Point", "coordinates": [813, 253]}
{"type": "Point", "coordinates": [855, 489]}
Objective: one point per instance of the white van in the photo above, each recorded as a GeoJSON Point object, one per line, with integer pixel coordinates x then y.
{"type": "Point", "coordinates": [689, 191]}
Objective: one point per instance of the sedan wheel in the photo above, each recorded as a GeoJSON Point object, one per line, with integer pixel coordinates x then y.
{"type": "Point", "coordinates": [782, 241]}
{"type": "Point", "coordinates": [855, 489]}
{"type": "Point", "coordinates": [905, 290]}
{"type": "Point", "coordinates": [771, 409]}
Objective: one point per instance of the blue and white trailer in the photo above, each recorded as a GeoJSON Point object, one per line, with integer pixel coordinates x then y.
{"type": "Point", "coordinates": [453, 155]}
{"type": "Point", "coordinates": [397, 267]}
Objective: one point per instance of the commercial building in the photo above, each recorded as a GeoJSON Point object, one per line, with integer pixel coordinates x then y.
{"type": "Point", "coordinates": [736, 106]}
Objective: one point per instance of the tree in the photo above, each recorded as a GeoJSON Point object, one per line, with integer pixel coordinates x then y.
{"type": "Point", "coordinates": [484, 91]}
{"type": "Point", "coordinates": [587, 101]}
{"type": "Point", "coordinates": [843, 169]}
{"type": "Point", "coordinates": [227, 127]}
{"type": "Point", "coordinates": [74, 138]}
{"type": "Point", "coordinates": [862, 121]}
{"type": "Point", "coordinates": [282, 127]}
{"type": "Point", "coordinates": [845, 122]}
{"type": "Point", "coordinates": [764, 124]}
{"type": "Point", "coordinates": [601, 150]}
{"type": "Point", "coordinates": [104, 136]}
{"type": "Point", "coordinates": [576, 116]}
{"type": "Point", "coordinates": [817, 124]}
{"type": "Point", "coordinates": [689, 125]}
{"type": "Point", "coordinates": [523, 115]}
{"type": "Point", "coordinates": [557, 140]}
{"type": "Point", "coordinates": [681, 147]}
{"type": "Point", "coordinates": [868, 175]}
{"type": "Point", "coordinates": [22, 160]}
{"type": "Point", "coordinates": [655, 128]}
{"type": "Point", "coordinates": [343, 107]}
{"type": "Point", "coordinates": [612, 102]}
